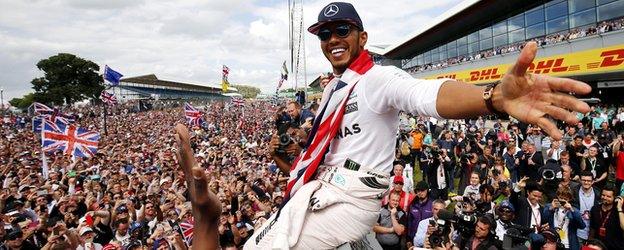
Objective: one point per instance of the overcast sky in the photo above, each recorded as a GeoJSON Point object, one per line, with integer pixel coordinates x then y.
{"type": "Point", "coordinates": [187, 40]}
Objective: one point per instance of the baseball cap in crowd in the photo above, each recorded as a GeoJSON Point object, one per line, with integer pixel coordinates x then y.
{"type": "Point", "coordinates": [85, 230]}
{"type": "Point", "coordinates": [507, 204]}
{"type": "Point", "coordinates": [122, 209]}
{"type": "Point", "coordinates": [24, 188]}
{"type": "Point", "coordinates": [398, 180]}
{"type": "Point", "coordinates": [166, 179]}
{"type": "Point", "coordinates": [13, 233]}
{"type": "Point", "coordinates": [337, 11]}
{"type": "Point", "coordinates": [421, 185]}
{"type": "Point", "coordinates": [15, 204]}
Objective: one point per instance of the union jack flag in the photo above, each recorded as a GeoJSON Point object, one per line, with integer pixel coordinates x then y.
{"type": "Point", "coordinates": [108, 98]}
{"type": "Point", "coordinates": [52, 114]}
{"type": "Point", "coordinates": [226, 72]}
{"type": "Point", "coordinates": [193, 116]}
{"type": "Point", "coordinates": [72, 140]}
{"type": "Point", "coordinates": [187, 230]}
{"type": "Point", "coordinates": [238, 101]}
{"type": "Point", "coordinates": [283, 76]}
{"type": "Point", "coordinates": [41, 108]}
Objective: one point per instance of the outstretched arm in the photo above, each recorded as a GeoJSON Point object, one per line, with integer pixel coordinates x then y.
{"type": "Point", "coordinates": [206, 205]}
{"type": "Point", "coordinates": [528, 97]}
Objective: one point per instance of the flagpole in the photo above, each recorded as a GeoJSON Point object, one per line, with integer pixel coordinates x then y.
{"type": "Point", "coordinates": [105, 114]}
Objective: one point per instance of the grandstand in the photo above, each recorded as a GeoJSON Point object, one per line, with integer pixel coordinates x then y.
{"type": "Point", "coordinates": [151, 87]}
{"type": "Point", "coordinates": [478, 40]}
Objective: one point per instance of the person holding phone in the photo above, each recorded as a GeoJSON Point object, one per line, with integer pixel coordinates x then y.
{"type": "Point", "coordinates": [564, 218]}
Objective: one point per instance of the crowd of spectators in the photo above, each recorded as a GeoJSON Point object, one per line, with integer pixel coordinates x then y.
{"type": "Point", "coordinates": [505, 175]}
{"type": "Point", "coordinates": [599, 28]}
{"type": "Point", "coordinates": [133, 195]}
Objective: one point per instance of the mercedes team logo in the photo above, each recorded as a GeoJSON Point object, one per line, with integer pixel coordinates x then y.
{"type": "Point", "coordinates": [331, 10]}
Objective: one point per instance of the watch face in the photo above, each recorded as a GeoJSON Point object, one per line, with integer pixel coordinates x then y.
{"type": "Point", "coordinates": [487, 93]}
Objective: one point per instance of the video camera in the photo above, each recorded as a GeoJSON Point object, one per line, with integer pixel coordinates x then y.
{"type": "Point", "coordinates": [519, 237]}
{"type": "Point", "coordinates": [516, 237]}
{"type": "Point", "coordinates": [442, 229]}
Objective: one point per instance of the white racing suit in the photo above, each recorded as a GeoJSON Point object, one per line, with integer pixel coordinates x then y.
{"type": "Point", "coordinates": [340, 206]}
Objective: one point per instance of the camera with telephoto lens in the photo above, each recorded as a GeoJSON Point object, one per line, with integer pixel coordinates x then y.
{"type": "Point", "coordinates": [516, 237]}
{"type": "Point", "coordinates": [440, 234]}
{"type": "Point", "coordinates": [465, 225]}
{"type": "Point", "coordinates": [282, 124]}
{"type": "Point", "coordinates": [548, 174]}
{"type": "Point", "coordinates": [495, 172]}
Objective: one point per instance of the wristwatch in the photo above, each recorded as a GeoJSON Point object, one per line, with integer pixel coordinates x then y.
{"type": "Point", "coordinates": [487, 97]}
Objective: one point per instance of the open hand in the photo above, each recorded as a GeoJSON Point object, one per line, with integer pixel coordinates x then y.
{"type": "Point", "coordinates": [533, 98]}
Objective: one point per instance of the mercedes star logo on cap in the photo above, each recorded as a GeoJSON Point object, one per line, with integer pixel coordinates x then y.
{"type": "Point", "coordinates": [331, 10]}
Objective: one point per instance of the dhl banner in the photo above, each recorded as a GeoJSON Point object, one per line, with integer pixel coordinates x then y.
{"type": "Point", "coordinates": [585, 62]}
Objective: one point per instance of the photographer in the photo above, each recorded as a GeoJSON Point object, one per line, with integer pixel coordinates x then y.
{"type": "Point", "coordinates": [484, 236]}
{"type": "Point", "coordinates": [425, 227]}
{"type": "Point", "coordinates": [299, 116]}
{"type": "Point", "coordinates": [551, 175]}
{"type": "Point", "coordinates": [440, 163]}
{"type": "Point", "coordinates": [512, 162]}
{"type": "Point", "coordinates": [287, 142]}
{"type": "Point", "coordinates": [564, 218]}
{"type": "Point", "coordinates": [485, 205]}
{"type": "Point", "coordinates": [535, 161]}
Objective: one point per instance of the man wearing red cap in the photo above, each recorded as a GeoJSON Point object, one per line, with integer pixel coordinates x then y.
{"type": "Point", "coordinates": [405, 198]}
{"type": "Point", "coordinates": [343, 171]}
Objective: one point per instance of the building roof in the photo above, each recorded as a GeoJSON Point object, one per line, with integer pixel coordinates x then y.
{"type": "Point", "coordinates": [466, 17]}
{"type": "Point", "coordinates": [153, 80]}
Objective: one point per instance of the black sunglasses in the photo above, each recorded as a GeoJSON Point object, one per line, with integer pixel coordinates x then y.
{"type": "Point", "coordinates": [341, 31]}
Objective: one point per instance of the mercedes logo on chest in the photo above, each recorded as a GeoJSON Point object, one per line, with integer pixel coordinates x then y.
{"type": "Point", "coordinates": [331, 10]}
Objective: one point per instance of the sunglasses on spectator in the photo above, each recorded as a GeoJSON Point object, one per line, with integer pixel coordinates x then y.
{"type": "Point", "coordinates": [341, 31]}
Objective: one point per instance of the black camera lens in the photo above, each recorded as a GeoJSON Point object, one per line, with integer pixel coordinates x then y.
{"type": "Point", "coordinates": [284, 140]}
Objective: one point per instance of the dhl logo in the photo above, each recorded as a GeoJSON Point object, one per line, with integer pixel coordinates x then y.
{"type": "Point", "coordinates": [453, 76]}
{"type": "Point", "coordinates": [577, 63]}
{"type": "Point", "coordinates": [486, 74]}
{"type": "Point", "coordinates": [612, 58]}
{"type": "Point", "coordinates": [546, 66]}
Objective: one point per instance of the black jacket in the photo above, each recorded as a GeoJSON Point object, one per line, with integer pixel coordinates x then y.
{"type": "Point", "coordinates": [487, 244]}
{"type": "Point", "coordinates": [577, 199]}
{"type": "Point", "coordinates": [523, 210]}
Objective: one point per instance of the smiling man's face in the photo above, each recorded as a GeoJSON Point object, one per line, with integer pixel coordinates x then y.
{"type": "Point", "coordinates": [341, 51]}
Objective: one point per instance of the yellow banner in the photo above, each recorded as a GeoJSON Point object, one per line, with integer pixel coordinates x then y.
{"type": "Point", "coordinates": [585, 62]}
{"type": "Point", "coordinates": [224, 85]}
